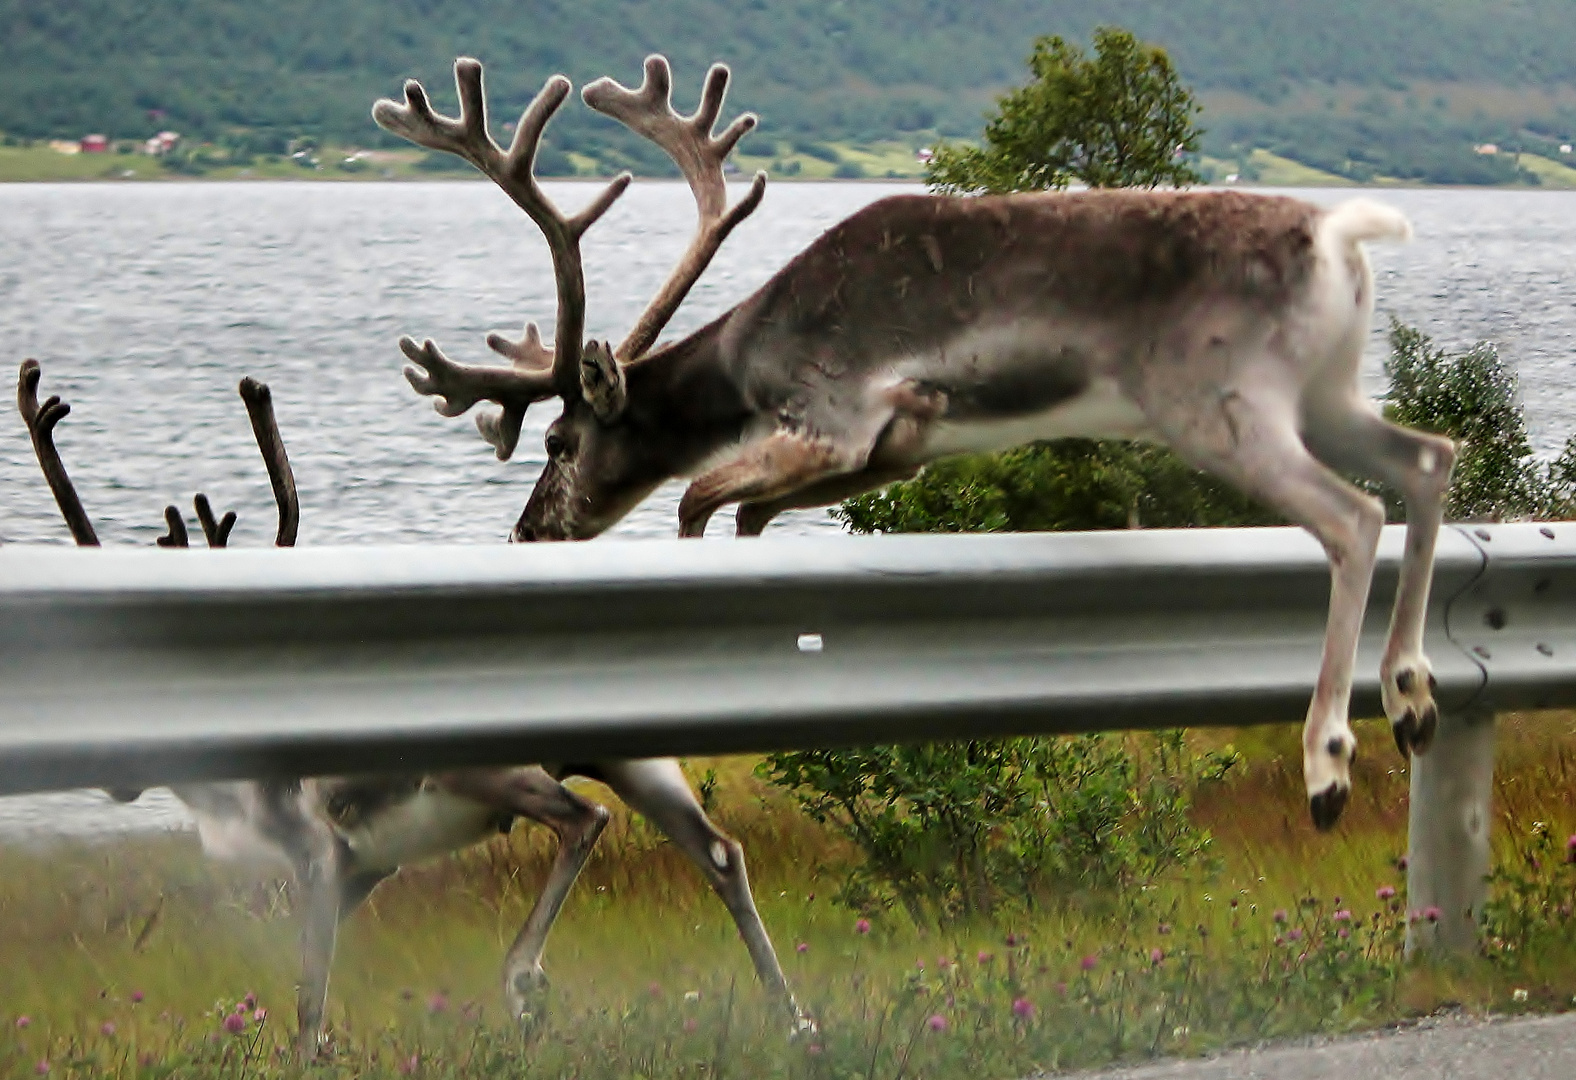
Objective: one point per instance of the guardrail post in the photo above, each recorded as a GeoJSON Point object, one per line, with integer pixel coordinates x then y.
{"type": "Point", "coordinates": [1448, 846]}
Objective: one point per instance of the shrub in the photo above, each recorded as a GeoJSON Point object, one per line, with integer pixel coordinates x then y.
{"type": "Point", "coordinates": [1472, 397]}
{"type": "Point", "coordinates": [952, 830]}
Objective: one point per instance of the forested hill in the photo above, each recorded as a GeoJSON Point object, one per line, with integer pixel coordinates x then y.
{"type": "Point", "coordinates": [825, 69]}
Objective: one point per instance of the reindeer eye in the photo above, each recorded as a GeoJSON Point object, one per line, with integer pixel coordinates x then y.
{"type": "Point", "coordinates": [555, 446]}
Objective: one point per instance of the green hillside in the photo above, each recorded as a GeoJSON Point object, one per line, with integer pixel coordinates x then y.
{"type": "Point", "coordinates": [1356, 87]}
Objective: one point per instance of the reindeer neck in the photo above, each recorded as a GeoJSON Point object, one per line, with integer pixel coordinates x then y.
{"type": "Point", "coordinates": [684, 399]}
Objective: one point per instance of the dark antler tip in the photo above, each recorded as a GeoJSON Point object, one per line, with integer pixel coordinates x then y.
{"type": "Point", "coordinates": [468, 64]}
{"type": "Point", "coordinates": [29, 368]}
{"type": "Point", "coordinates": [253, 391]}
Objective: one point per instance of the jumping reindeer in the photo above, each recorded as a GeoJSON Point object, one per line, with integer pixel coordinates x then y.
{"type": "Point", "coordinates": [341, 836]}
{"type": "Point", "coordinates": [1227, 326]}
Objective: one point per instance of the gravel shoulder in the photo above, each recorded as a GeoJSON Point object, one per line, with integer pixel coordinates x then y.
{"type": "Point", "coordinates": [1447, 1047]}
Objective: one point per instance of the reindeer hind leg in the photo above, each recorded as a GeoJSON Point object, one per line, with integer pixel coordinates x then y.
{"type": "Point", "coordinates": [1251, 440]}
{"type": "Point", "coordinates": [658, 790]}
{"type": "Point", "coordinates": [1348, 435]}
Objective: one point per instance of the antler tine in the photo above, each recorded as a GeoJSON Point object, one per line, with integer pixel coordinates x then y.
{"type": "Point", "coordinates": [688, 140]}
{"type": "Point", "coordinates": [41, 421]}
{"type": "Point", "coordinates": [265, 429]}
{"type": "Point", "coordinates": [513, 172]}
{"type": "Point", "coordinates": [176, 536]}
{"type": "Point", "coordinates": [215, 530]}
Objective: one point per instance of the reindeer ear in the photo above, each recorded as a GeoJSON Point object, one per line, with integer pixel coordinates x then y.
{"type": "Point", "coordinates": [602, 381]}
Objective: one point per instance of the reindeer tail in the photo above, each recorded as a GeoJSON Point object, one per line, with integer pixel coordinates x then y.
{"type": "Point", "coordinates": [1363, 219]}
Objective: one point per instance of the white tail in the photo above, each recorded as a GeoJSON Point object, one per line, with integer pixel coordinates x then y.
{"type": "Point", "coordinates": [1364, 219]}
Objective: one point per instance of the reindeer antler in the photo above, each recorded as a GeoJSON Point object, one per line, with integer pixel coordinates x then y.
{"type": "Point", "coordinates": [265, 428]}
{"type": "Point", "coordinates": [41, 421]}
{"type": "Point", "coordinates": [699, 154]}
{"type": "Point", "coordinates": [515, 388]}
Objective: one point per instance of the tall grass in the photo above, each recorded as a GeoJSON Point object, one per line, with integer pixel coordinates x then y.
{"type": "Point", "coordinates": [140, 959]}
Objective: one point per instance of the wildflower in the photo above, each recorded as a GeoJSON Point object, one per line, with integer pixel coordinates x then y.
{"type": "Point", "coordinates": [920, 964]}
{"type": "Point", "coordinates": [985, 957]}
{"type": "Point", "coordinates": [107, 1029]}
{"type": "Point", "coordinates": [259, 1014]}
{"type": "Point", "coordinates": [1343, 933]}
{"type": "Point", "coordinates": [1280, 939]}
{"type": "Point", "coordinates": [1294, 934]}
{"type": "Point", "coordinates": [1570, 849]}
{"type": "Point", "coordinates": [813, 1049]}
{"type": "Point", "coordinates": [1155, 956]}
{"type": "Point", "coordinates": [1341, 957]}
{"type": "Point", "coordinates": [943, 962]}
{"type": "Point", "coordinates": [1385, 892]}
{"type": "Point", "coordinates": [1280, 915]}
{"type": "Point", "coordinates": [235, 1023]}
{"type": "Point", "coordinates": [250, 1000]}
{"type": "Point", "coordinates": [802, 948]}
{"type": "Point", "coordinates": [1518, 995]}
{"type": "Point", "coordinates": [410, 1065]}
{"type": "Point", "coordinates": [136, 996]}
{"type": "Point", "coordinates": [1061, 989]}
{"type": "Point", "coordinates": [1012, 940]}
{"type": "Point", "coordinates": [42, 1068]}
{"type": "Point", "coordinates": [1087, 963]}
{"type": "Point", "coordinates": [690, 1023]}
{"type": "Point", "coordinates": [862, 926]}
{"type": "Point", "coordinates": [1342, 916]}
{"type": "Point", "coordinates": [1165, 928]}
{"type": "Point", "coordinates": [1431, 913]}
{"type": "Point", "coordinates": [23, 1022]}
{"type": "Point", "coordinates": [1023, 1008]}
{"type": "Point", "coordinates": [437, 1003]}
{"type": "Point", "coordinates": [1401, 863]}
{"type": "Point", "coordinates": [937, 1023]}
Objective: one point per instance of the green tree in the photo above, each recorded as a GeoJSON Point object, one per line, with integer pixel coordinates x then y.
{"type": "Point", "coordinates": [1472, 397]}
{"type": "Point", "coordinates": [1120, 119]}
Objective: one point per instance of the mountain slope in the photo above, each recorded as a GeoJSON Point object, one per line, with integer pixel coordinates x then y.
{"type": "Point", "coordinates": [827, 69]}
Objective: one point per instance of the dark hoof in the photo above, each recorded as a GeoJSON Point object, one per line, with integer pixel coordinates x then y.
{"type": "Point", "coordinates": [1424, 737]}
{"type": "Point", "coordinates": [1403, 730]}
{"type": "Point", "coordinates": [1327, 805]}
{"type": "Point", "coordinates": [1414, 736]}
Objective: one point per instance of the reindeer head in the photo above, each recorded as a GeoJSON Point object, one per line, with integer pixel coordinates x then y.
{"type": "Point", "coordinates": [599, 463]}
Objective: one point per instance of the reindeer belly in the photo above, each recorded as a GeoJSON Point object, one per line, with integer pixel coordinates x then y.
{"type": "Point", "coordinates": [1099, 411]}
{"type": "Point", "coordinates": [430, 822]}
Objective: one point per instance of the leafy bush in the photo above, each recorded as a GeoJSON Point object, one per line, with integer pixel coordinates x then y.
{"type": "Point", "coordinates": [1472, 397]}
{"type": "Point", "coordinates": [953, 830]}
{"type": "Point", "coordinates": [1069, 485]}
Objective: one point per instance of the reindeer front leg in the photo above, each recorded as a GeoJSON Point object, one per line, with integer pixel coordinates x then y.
{"type": "Point", "coordinates": [776, 465]}
{"type": "Point", "coordinates": [531, 793]}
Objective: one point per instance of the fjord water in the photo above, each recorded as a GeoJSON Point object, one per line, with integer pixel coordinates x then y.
{"type": "Point", "coordinates": [146, 303]}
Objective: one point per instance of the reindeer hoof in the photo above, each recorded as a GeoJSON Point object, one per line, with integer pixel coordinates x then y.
{"type": "Point", "coordinates": [1326, 806]}
{"type": "Point", "coordinates": [1414, 735]}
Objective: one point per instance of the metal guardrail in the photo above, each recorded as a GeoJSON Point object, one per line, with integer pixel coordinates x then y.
{"type": "Point", "coordinates": [143, 666]}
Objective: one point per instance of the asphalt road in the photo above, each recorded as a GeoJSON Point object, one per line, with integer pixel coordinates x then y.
{"type": "Point", "coordinates": [1438, 1048]}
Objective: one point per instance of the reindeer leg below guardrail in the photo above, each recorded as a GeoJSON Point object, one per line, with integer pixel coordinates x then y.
{"type": "Point", "coordinates": [1448, 856]}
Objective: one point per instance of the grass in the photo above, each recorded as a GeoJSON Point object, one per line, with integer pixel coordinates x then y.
{"type": "Point", "coordinates": [1550, 173]}
{"type": "Point", "coordinates": [650, 979]}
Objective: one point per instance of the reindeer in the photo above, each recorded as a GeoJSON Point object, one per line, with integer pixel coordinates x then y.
{"type": "Point", "coordinates": [1225, 325]}
{"type": "Point", "coordinates": [342, 836]}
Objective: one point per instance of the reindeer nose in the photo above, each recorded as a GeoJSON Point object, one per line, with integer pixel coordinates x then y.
{"type": "Point", "coordinates": [522, 534]}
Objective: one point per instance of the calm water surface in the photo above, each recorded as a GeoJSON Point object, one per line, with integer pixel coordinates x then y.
{"type": "Point", "coordinates": [147, 303]}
